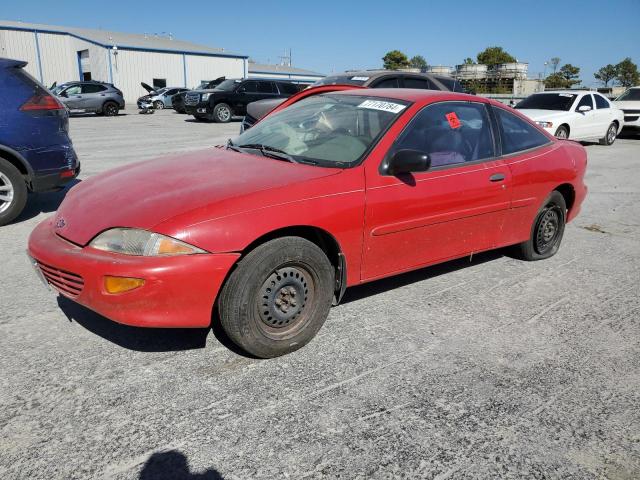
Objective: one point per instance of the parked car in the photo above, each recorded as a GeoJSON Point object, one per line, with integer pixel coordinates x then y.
{"type": "Point", "coordinates": [338, 189]}
{"type": "Point", "coordinates": [362, 78]}
{"type": "Point", "coordinates": [90, 96]}
{"type": "Point", "coordinates": [31, 162]}
{"type": "Point", "coordinates": [231, 97]}
{"type": "Point", "coordinates": [574, 114]}
{"type": "Point", "coordinates": [629, 103]}
{"type": "Point", "coordinates": [178, 99]}
{"type": "Point", "coordinates": [158, 98]}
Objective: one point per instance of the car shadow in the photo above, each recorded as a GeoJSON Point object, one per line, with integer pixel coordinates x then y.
{"type": "Point", "coordinates": [630, 134]}
{"type": "Point", "coordinates": [134, 338]}
{"type": "Point", "coordinates": [173, 465]}
{"type": "Point", "coordinates": [44, 202]}
{"type": "Point", "coordinates": [94, 115]}
{"type": "Point", "coordinates": [390, 283]}
{"type": "Point", "coordinates": [193, 120]}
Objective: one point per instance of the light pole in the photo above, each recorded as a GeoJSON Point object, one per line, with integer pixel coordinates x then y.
{"type": "Point", "coordinates": [544, 75]}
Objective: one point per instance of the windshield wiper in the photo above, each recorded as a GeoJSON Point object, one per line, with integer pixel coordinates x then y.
{"type": "Point", "coordinates": [270, 152]}
{"type": "Point", "coordinates": [231, 146]}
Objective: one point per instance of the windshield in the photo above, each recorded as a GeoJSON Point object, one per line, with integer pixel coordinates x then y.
{"type": "Point", "coordinates": [631, 94]}
{"type": "Point", "coordinates": [227, 85]}
{"type": "Point", "coordinates": [342, 80]}
{"type": "Point", "coordinates": [548, 101]}
{"type": "Point", "coordinates": [328, 130]}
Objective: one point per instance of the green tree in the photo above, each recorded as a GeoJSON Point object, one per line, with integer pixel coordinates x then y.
{"type": "Point", "coordinates": [606, 74]}
{"type": "Point", "coordinates": [468, 61]}
{"type": "Point", "coordinates": [394, 60]}
{"type": "Point", "coordinates": [494, 55]}
{"type": "Point", "coordinates": [570, 74]}
{"type": "Point", "coordinates": [418, 61]}
{"type": "Point", "coordinates": [555, 61]}
{"type": "Point", "coordinates": [555, 80]}
{"type": "Point", "coordinates": [627, 73]}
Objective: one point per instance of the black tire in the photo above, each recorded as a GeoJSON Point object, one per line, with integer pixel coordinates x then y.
{"type": "Point", "coordinates": [562, 132]}
{"type": "Point", "coordinates": [158, 105]}
{"type": "Point", "coordinates": [222, 113]}
{"type": "Point", "coordinates": [547, 230]}
{"type": "Point", "coordinates": [611, 135]}
{"type": "Point", "coordinates": [13, 192]}
{"type": "Point", "coordinates": [277, 298]}
{"type": "Point", "coordinates": [180, 110]}
{"type": "Point", "coordinates": [110, 109]}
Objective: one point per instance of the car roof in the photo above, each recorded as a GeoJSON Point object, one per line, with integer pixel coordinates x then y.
{"type": "Point", "coordinates": [576, 92]}
{"type": "Point", "coordinates": [372, 74]}
{"type": "Point", "coordinates": [413, 94]}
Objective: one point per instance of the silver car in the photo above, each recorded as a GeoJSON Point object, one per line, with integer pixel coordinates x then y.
{"type": "Point", "coordinates": [158, 98]}
{"type": "Point", "coordinates": [90, 96]}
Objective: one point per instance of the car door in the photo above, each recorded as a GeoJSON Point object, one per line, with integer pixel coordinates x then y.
{"type": "Point", "coordinates": [73, 97]}
{"type": "Point", "coordinates": [93, 96]}
{"type": "Point", "coordinates": [604, 114]}
{"type": "Point", "coordinates": [455, 208]}
{"type": "Point", "coordinates": [166, 97]}
{"type": "Point", "coordinates": [246, 93]}
{"type": "Point", "coordinates": [584, 123]}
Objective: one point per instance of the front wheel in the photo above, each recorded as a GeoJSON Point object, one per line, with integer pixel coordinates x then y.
{"type": "Point", "coordinates": [13, 192]}
{"type": "Point", "coordinates": [547, 229]}
{"type": "Point", "coordinates": [158, 105]}
{"type": "Point", "coordinates": [610, 136]}
{"type": "Point", "coordinates": [277, 297]}
{"type": "Point", "coordinates": [222, 113]}
{"type": "Point", "coordinates": [562, 132]}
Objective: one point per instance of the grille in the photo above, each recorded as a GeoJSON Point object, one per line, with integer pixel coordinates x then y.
{"type": "Point", "coordinates": [631, 118]}
{"type": "Point", "coordinates": [192, 99]}
{"type": "Point", "coordinates": [67, 283]}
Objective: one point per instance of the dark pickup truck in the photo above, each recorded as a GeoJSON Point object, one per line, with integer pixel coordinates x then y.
{"type": "Point", "coordinates": [231, 97]}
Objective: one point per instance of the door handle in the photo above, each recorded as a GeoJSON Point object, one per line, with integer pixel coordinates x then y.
{"type": "Point", "coordinates": [496, 177]}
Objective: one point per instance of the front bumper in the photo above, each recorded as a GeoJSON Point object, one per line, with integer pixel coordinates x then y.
{"type": "Point", "coordinates": [202, 108]}
{"type": "Point", "coordinates": [178, 291]}
{"type": "Point", "coordinates": [632, 118]}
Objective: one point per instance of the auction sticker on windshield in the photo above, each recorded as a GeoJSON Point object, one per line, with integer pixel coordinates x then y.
{"type": "Point", "coordinates": [384, 106]}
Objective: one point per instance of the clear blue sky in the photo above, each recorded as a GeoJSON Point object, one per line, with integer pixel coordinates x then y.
{"type": "Point", "coordinates": [334, 35]}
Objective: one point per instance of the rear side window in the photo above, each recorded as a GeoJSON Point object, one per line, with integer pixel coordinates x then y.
{"type": "Point", "coordinates": [93, 88]}
{"type": "Point", "coordinates": [266, 87]}
{"type": "Point", "coordinates": [387, 83]}
{"type": "Point", "coordinates": [412, 82]}
{"type": "Point", "coordinates": [288, 88]}
{"type": "Point", "coordinates": [601, 102]}
{"type": "Point", "coordinates": [450, 133]}
{"type": "Point", "coordinates": [451, 84]}
{"type": "Point", "coordinates": [585, 100]}
{"type": "Point", "coordinates": [516, 134]}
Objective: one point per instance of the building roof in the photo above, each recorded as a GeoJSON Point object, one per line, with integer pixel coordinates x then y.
{"type": "Point", "coordinates": [281, 69]}
{"type": "Point", "coordinates": [127, 41]}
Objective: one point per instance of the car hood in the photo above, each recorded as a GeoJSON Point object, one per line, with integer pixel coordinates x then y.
{"type": "Point", "coordinates": [543, 114]}
{"type": "Point", "coordinates": [627, 105]}
{"type": "Point", "coordinates": [148, 193]}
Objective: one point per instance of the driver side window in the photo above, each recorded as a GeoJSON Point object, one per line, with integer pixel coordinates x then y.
{"type": "Point", "coordinates": [451, 133]}
{"type": "Point", "coordinates": [75, 90]}
{"type": "Point", "coordinates": [585, 100]}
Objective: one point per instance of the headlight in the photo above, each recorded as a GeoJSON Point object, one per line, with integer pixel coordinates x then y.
{"type": "Point", "coordinates": [132, 241]}
{"type": "Point", "coordinates": [545, 124]}
{"type": "Point", "coordinates": [204, 97]}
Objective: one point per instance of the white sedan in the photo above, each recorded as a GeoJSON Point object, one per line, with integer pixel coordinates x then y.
{"type": "Point", "coordinates": [629, 103]}
{"type": "Point", "coordinates": [575, 114]}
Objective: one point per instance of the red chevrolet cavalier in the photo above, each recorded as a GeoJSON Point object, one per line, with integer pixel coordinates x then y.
{"type": "Point", "coordinates": [335, 190]}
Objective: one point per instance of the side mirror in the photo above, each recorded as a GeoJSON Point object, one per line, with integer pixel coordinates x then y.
{"type": "Point", "coordinates": [407, 161]}
{"type": "Point", "coordinates": [63, 94]}
{"type": "Point", "coordinates": [584, 108]}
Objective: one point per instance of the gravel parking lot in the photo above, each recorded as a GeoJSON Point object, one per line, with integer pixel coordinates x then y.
{"type": "Point", "coordinates": [482, 368]}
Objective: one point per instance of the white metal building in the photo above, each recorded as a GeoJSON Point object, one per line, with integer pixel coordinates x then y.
{"type": "Point", "coordinates": [61, 54]}
{"type": "Point", "coordinates": [283, 72]}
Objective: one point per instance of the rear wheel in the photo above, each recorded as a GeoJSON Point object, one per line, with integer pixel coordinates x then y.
{"type": "Point", "coordinates": [547, 229]}
{"type": "Point", "coordinates": [278, 297]}
{"type": "Point", "coordinates": [13, 192]}
{"type": "Point", "coordinates": [110, 109]}
{"type": "Point", "coordinates": [562, 132]}
{"type": "Point", "coordinates": [222, 113]}
{"type": "Point", "coordinates": [158, 105]}
{"type": "Point", "coordinates": [610, 136]}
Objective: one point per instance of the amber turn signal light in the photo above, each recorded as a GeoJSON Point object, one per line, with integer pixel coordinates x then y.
{"type": "Point", "coordinates": [121, 284]}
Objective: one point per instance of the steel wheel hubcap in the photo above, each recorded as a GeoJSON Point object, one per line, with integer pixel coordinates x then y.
{"type": "Point", "coordinates": [6, 192]}
{"type": "Point", "coordinates": [612, 134]}
{"type": "Point", "coordinates": [283, 297]}
{"type": "Point", "coordinates": [548, 229]}
{"type": "Point", "coordinates": [562, 134]}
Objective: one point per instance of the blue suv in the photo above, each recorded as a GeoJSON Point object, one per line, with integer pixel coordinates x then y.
{"type": "Point", "coordinates": [36, 153]}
